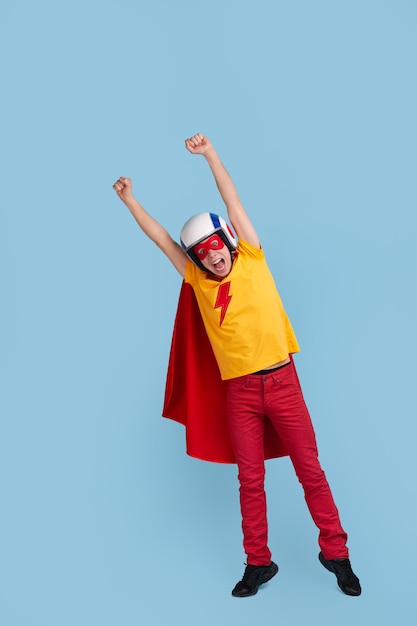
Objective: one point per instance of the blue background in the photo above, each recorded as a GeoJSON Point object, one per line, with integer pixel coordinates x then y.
{"type": "Point", "coordinates": [312, 106]}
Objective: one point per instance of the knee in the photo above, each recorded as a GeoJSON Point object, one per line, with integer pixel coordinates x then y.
{"type": "Point", "coordinates": [251, 476]}
{"type": "Point", "coordinates": [309, 472]}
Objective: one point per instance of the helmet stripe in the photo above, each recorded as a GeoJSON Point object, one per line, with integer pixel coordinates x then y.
{"type": "Point", "coordinates": [215, 219]}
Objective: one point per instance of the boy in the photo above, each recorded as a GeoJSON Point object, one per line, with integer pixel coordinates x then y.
{"type": "Point", "coordinates": [252, 341]}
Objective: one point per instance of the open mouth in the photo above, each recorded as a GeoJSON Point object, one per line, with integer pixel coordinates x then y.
{"type": "Point", "coordinates": [219, 265]}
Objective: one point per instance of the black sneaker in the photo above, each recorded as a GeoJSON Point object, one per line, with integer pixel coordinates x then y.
{"type": "Point", "coordinates": [346, 579]}
{"type": "Point", "coordinates": [254, 576]}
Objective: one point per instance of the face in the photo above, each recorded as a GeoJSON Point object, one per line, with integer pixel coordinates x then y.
{"type": "Point", "coordinates": [214, 255]}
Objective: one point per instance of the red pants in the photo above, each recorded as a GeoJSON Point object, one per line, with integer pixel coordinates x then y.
{"type": "Point", "coordinates": [278, 397]}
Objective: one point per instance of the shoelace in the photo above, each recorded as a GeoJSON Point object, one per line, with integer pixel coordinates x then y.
{"type": "Point", "coordinates": [252, 572]}
{"type": "Point", "coordinates": [345, 570]}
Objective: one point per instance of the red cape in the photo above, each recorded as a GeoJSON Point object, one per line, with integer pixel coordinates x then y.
{"type": "Point", "coordinates": [195, 394]}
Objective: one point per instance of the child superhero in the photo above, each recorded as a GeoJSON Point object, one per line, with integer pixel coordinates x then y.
{"type": "Point", "coordinates": [232, 335]}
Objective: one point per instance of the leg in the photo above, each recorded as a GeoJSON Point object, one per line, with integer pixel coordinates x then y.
{"type": "Point", "coordinates": [246, 427]}
{"type": "Point", "coordinates": [285, 406]}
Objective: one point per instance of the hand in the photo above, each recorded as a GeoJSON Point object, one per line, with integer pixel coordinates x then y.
{"type": "Point", "coordinates": [198, 144]}
{"type": "Point", "coordinates": [123, 188]}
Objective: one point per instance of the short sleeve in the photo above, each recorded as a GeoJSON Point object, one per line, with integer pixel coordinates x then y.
{"type": "Point", "coordinates": [192, 273]}
{"type": "Point", "coordinates": [250, 251]}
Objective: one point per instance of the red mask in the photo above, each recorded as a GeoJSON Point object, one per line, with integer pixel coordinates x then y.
{"type": "Point", "coordinates": [213, 243]}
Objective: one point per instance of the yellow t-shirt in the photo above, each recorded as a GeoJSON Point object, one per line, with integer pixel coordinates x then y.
{"type": "Point", "coordinates": [243, 314]}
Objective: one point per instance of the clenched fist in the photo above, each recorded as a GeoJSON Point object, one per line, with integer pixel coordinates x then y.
{"type": "Point", "coordinates": [123, 188]}
{"type": "Point", "coordinates": [198, 144]}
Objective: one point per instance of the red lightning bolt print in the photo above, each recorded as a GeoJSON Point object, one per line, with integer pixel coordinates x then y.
{"type": "Point", "coordinates": [223, 300]}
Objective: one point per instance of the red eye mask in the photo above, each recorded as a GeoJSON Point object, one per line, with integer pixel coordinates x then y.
{"type": "Point", "coordinates": [213, 243]}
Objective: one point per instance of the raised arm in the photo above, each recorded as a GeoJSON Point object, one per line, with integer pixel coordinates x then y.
{"type": "Point", "coordinates": [151, 228]}
{"type": "Point", "coordinates": [235, 211]}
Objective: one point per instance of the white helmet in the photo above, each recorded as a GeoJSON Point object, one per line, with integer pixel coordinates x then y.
{"type": "Point", "coordinates": [200, 227]}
